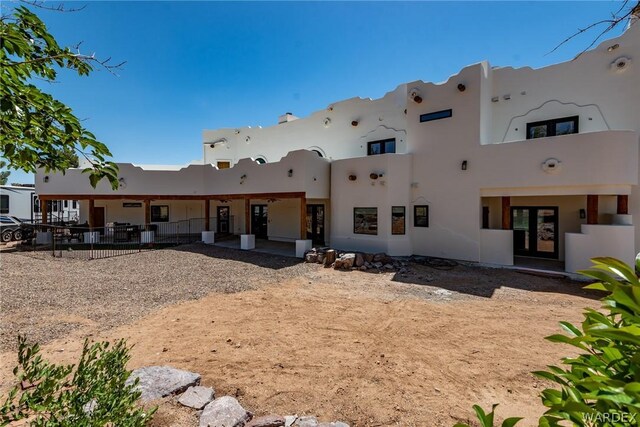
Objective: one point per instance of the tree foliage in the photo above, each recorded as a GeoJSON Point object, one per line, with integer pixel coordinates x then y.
{"type": "Point", "coordinates": [93, 393]}
{"type": "Point", "coordinates": [4, 175]}
{"type": "Point", "coordinates": [38, 131]}
{"type": "Point", "coordinates": [600, 386]}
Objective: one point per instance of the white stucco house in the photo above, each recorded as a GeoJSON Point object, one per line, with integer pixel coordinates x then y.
{"type": "Point", "coordinates": [492, 165]}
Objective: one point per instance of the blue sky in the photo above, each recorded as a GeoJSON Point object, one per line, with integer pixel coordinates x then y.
{"type": "Point", "coordinates": [205, 65]}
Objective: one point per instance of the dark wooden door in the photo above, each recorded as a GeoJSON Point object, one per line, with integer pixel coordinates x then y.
{"type": "Point", "coordinates": [223, 220]}
{"type": "Point", "coordinates": [259, 216]}
{"type": "Point", "coordinates": [315, 224]}
{"type": "Point", "coordinates": [98, 218]}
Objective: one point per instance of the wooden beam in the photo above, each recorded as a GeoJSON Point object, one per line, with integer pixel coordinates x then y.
{"type": "Point", "coordinates": [623, 205]}
{"type": "Point", "coordinates": [303, 218]}
{"type": "Point", "coordinates": [592, 209]}
{"type": "Point", "coordinates": [147, 212]}
{"type": "Point", "coordinates": [506, 213]}
{"type": "Point", "coordinates": [92, 206]}
{"type": "Point", "coordinates": [237, 196]}
{"type": "Point", "coordinates": [207, 214]}
{"type": "Point", "coordinates": [44, 211]}
{"type": "Point", "coordinates": [247, 216]}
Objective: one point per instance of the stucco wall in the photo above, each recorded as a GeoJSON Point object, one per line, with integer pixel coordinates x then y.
{"type": "Point", "coordinates": [598, 241]}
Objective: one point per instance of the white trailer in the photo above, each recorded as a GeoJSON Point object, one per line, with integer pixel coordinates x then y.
{"type": "Point", "coordinates": [23, 203]}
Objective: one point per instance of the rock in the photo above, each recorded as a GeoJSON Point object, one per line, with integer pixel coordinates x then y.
{"type": "Point", "coordinates": [379, 257]}
{"type": "Point", "coordinates": [320, 258]}
{"type": "Point", "coordinates": [334, 424]}
{"type": "Point", "coordinates": [160, 381]}
{"type": "Point", "coordinates": [337, 264]}
{"type": "Point", "coordinates": [224, 412]}
{"type": "Point", "coordinates": [311, 257]}
{"type": "Point", "coordinates": [267, 421]}
{"type": "Point", "coordinates": [329, 257]}
{"type": "Point", "coordinates": [377, 264]}
{"type": "Point", "coordinates": [368, 257]}
{"type": "Point", "coordinates": [289, 420]}
{"type": "Point", "coordinates": [197, 397]}
{"type": "Point", "coordinates": [362, 268]}
{"type": "Point", "coordinates": [359, 261]}
{"type": "Point", "coordinates": [348, 260]}
{"type": "Point", "coordinates": [308, 421]}
{"type": "Point", "coordinates": [388, 267]}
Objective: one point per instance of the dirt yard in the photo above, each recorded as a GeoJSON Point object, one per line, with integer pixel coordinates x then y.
{"type": "Point", "coordinates": [417, 349]}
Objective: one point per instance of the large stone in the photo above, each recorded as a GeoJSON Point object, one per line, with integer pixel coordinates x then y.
{"type": "Point", "coordinates": [267, 421]}
{"type": "Point", "coordinates": [197, 397]}
{"type": "Point", "coordinates": [329, 257]}
{"type": "Point", "coordinates": [379, 257]}
{"type": "Point", "coordinates": [289, 420]}
{"type": "Point", "coordinates": [337, 264]}
{"type": "Point", "coordinates": [311, 257]}
{"type": "Point", "coordinates": [333, 424]}
{"type": "Point", "coordinates": [308, 421]}
{"type": "Point", "coordinates": [368, 257]}
{"type": "Point", "coordinates": [160, 381]}
{"type": "Point", "coordinates": [224, 412]}
{"type": "Point", "coordinates": [359, 261]}
{"type": "Point", "coordinates": [348, 260]}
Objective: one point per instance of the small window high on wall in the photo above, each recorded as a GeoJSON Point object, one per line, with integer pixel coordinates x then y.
{"type": "Point", "coordinates": [553, 127]}
{"type": "Point", "coordinates": [4, 203]}
{"type": "Point", "coordinates": [383, 146]}
{"type": "Point", "coordinates": [160, 213]}
{"type": "Point", "coordinates": [421, 216]}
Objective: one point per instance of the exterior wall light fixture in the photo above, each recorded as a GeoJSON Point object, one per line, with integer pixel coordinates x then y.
{"type": "Point", "coordinates": [45, 179]}
{"type": "Point", "coordinates": [613, 47]}
{"type": "Point", "coordinates": [414, 94]}
{"type": "Point", "coordinates": [464, 165]}
{"type": "Point", "coordinates": [290, 173]}
{"type": "Point", "coordinates": [373, 175]}
{"type": "Point", "coordinates": [352, 177]}
{"type": "Point", "coordinates": [354, 123]}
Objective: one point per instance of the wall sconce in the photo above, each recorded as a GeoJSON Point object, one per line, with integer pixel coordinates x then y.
{"type": "Point", "coordinates": [464, 165]}
{"type": "Point", "coordinates": [417, 99]}
{"type": "Point", "coordinates": [122, 182]}
{"type": "Point", "coordinates": [462, 87]}
{"type": "Point", "coordinates": [373, 175]}
{"type": "Point", "coordinates": [244, 176]}
{"type": "Point", "coordinates": [352, 177]}
{"type": "Point", "coordinates": [583, 214]}
{"type": "Point", "coordinates": [290, 173]}
{"type": "Point", "coordinates": [354, 123]}
{"type": "Point", "coordinates": [45, 179]}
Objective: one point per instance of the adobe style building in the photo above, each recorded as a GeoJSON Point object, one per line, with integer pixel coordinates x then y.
{"type": "Point", "coordinates": [492, 165]}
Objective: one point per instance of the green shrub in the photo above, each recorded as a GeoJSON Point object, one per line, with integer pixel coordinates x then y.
{"type": "Point", "coordinates": [93, 393]}
{"type": "Point", "coordinates": [601, 386]}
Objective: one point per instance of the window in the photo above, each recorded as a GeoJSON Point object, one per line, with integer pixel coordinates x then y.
{"type": "Point", "coordinates": [261, 160]}
{"type": "Point", "coordinates": [74, 204]}
{"type": "Point", "coordinates": [36, 204]}
{"type": "Point", "coordinates": [421, 216]}
{"type": "Point", "coordinates": [554, 127]}
{"type": "Point", "coordinates": [224, 165]}
{"type": "Point", "coordinates": [365, 221]}
{"type": "Point", "coordinates": [397, 220]}
{"type": "Point", "coordinates": [381, 147]}
{"type": "Point", "coordinates": [4, 203]}
{"type": "Point", "coordinates": [160, 213]}
{"type": "Point", "coordinates": [436, 115]}
{"type": "Point", "coordinates": [66, 204]}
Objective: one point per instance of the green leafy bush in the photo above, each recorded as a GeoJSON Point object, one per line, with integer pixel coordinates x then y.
{"type": "Point", "coordinates": [93, 393]}
{"type": "Point", "coordinates": [601, 386]}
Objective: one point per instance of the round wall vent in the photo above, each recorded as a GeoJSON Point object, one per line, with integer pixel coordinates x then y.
{"type": "Point", "coordinates": [621, 64]}
{"type": "Point", "coordinates": [552, 166]}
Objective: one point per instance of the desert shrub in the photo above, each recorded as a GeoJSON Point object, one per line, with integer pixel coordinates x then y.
{"type": "Point", "coordinates": [600, 386]}
{"type": "Point", "coordinates": [93, 393]}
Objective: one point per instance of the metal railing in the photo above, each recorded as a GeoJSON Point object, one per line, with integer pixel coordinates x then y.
{"type": "Point", "coordinates": [84, 242]}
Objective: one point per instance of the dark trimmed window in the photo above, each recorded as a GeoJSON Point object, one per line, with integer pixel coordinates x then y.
{"type": "Point", "coordinates": [365, 221]}
{"type": "Point", "coordinates": [436, 115]}
{"type": "Point", "coordinates": [398, 220]}
{"type": "Point", "coordinates": [4, 203]}
{"type": "Point", "coordinates": [421, 216]}
{"type": "Point", "coordinates": [554, 127]}
{"type": "Point", "coordinates": [160, 213]}
{"type": "Point", "coordinates": [383, 146]}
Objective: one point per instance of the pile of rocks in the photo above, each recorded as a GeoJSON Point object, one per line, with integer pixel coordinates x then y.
{"type": "Point", "coordinates": [155, 382]}
{"type": "Point", "coordinates": [354, 260]}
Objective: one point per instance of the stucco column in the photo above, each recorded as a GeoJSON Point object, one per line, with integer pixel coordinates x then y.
{"type": "Point", "coordinates": [147, 212]}
{"type": "Point", "coordinates": [592, 209]}
{"type": "Point", "coordinates": [506, 213]}
{"type": "Point", "coordinates": [623, 205]}
{"type": "Point", "coordinates": [44, 211]}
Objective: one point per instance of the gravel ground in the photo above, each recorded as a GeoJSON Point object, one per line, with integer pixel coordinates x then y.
{"type": "Point", "coordinates": [47, 297]}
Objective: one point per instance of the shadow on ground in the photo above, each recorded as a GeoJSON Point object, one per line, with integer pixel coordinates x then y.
{"type": "Point", "coordinates": [259, 259]}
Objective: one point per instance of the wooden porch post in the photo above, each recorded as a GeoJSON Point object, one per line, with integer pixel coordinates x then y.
{"type": "Point", "coordinates": [623, 204]}
{"type": "Point", "coordinates": [44, 211]}
{"type": "Point", "coordinates": [303, 218]}
{"type": "Point", "coordinates": [592, 209]}
{"type": "Point", "coordinates": [207, 214]}
{"type": "Point", "coordinates": [147, 212]}
{"type": "Point", "coordinates": [92, 206]}
{"type": "Point", "coordinates": [506, 213]}
{"type": "Point", "coordinates": [247, 216]}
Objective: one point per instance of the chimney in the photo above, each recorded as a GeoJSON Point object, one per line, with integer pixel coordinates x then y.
{"type": "Point", "coordinates": [286, 117]}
